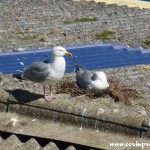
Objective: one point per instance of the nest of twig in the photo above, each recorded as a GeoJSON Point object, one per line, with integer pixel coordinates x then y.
{"type": "Point", "coordinates": [117, 90]}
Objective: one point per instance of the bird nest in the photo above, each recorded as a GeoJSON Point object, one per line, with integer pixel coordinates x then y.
{"type": "Point", "coordinates": [117, 90]}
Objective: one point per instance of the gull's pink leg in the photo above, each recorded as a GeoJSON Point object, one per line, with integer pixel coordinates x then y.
{"type": "Point", "coordinates": [48, 97]}
{"type": "Point", "coordinates": [50, 88]}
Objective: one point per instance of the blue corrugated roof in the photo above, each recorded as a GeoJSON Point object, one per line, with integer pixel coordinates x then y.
{"type": "Point", "coordinates": [91, 56]}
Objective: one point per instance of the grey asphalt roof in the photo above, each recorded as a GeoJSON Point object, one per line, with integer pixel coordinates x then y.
{"type": "Point", "coordinates": [29, 25]}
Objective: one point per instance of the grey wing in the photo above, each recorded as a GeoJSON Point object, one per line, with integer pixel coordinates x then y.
{"type": "Point", "coordinates": [83, 79]}
{"type": "Point", "coordinates": [37, 72]}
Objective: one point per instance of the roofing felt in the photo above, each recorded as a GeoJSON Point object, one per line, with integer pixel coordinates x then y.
{"type": "Point", "coordinates": [92, 57]}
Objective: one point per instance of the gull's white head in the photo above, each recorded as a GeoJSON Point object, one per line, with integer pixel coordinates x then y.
{"type": "Point", "coordinates": [99, 81]}
{"type": "Point", "coordinates": [59, 51]}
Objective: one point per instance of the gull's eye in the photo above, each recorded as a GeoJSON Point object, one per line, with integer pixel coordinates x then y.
{"type": "Point", "coordinates": [94, 77]}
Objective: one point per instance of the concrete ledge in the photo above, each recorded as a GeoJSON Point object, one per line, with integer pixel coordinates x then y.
{"type": "Point", "coordinates": [66, 116]}
{"type": "Point", "coordinates": [102, 113]}
{"type": "Point", "coordinates": [4, 96]}
{"type": "Point", "coordinates": [55, 131]}
{"type": "Point", "coordinates": [72, 110]}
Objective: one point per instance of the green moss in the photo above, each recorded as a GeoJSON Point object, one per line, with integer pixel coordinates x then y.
{"type": "Point", "coordinates": [42, 38]}
{"type": "Point", "coordinates": [147, 41]}
{"type": "Point", "coordinates": [26, 34]}
{"type": "Point", "coordinates": [84, 19]}
{"type": "Point", "coordinates": [68, 22]}
{"type": "Point", "coordinates": [30, 36]}
{"type": "Point", "coordinates": [105, 35]}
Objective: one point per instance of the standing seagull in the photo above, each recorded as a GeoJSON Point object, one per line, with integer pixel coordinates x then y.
{"type": "Point", "coordinates": [90, 81]}
{"type": "Point", "coordinates": [47, 72]}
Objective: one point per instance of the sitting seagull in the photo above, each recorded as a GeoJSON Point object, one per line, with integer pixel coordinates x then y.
{"type": "Point", "coordinates": [48, 72]}
{"type": "Point", "coordinates": [90, 81]}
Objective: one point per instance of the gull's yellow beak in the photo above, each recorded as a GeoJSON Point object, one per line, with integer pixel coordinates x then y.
{"type": "Point", "coordinates": [68, 53]}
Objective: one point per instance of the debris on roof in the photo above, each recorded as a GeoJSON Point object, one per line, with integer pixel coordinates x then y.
{"type": "Point", "coordinates": [117, 90]}
{"type": "Point", "coordinates": [114, 104]}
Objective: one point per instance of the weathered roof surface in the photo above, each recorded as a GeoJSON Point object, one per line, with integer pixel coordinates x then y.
{"type": "Point", "coordinates": [28, 24]}
{"type": "Point", "coordinates": [25, 25]}
{"type": "Point", "coordinates": [36, 134]}
{"type": "Point", "coordinates": [66, 115]}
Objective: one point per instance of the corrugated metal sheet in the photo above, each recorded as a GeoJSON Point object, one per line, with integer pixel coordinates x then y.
{"type": "Point", "coordinates": [10, 141]}
{"type": "Point", "coordinates": [92, 57]}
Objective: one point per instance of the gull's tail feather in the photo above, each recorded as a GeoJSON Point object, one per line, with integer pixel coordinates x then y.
{"type": "Point", "coordinates": [77, 68]}
{"type": "Point", "coordinates": [18, 76]}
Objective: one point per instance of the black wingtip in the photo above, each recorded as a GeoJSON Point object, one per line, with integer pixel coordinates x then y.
{"type": "Point", "coordinates": [18, 76]}
{"type": "Point", "coordinates": [77, 68]}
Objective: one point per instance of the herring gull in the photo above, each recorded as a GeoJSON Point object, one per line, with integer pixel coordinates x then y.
{"type": "Point", "coordinates": [48, 72]}
{"type": "Point", "coordinates": [90, 80]}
